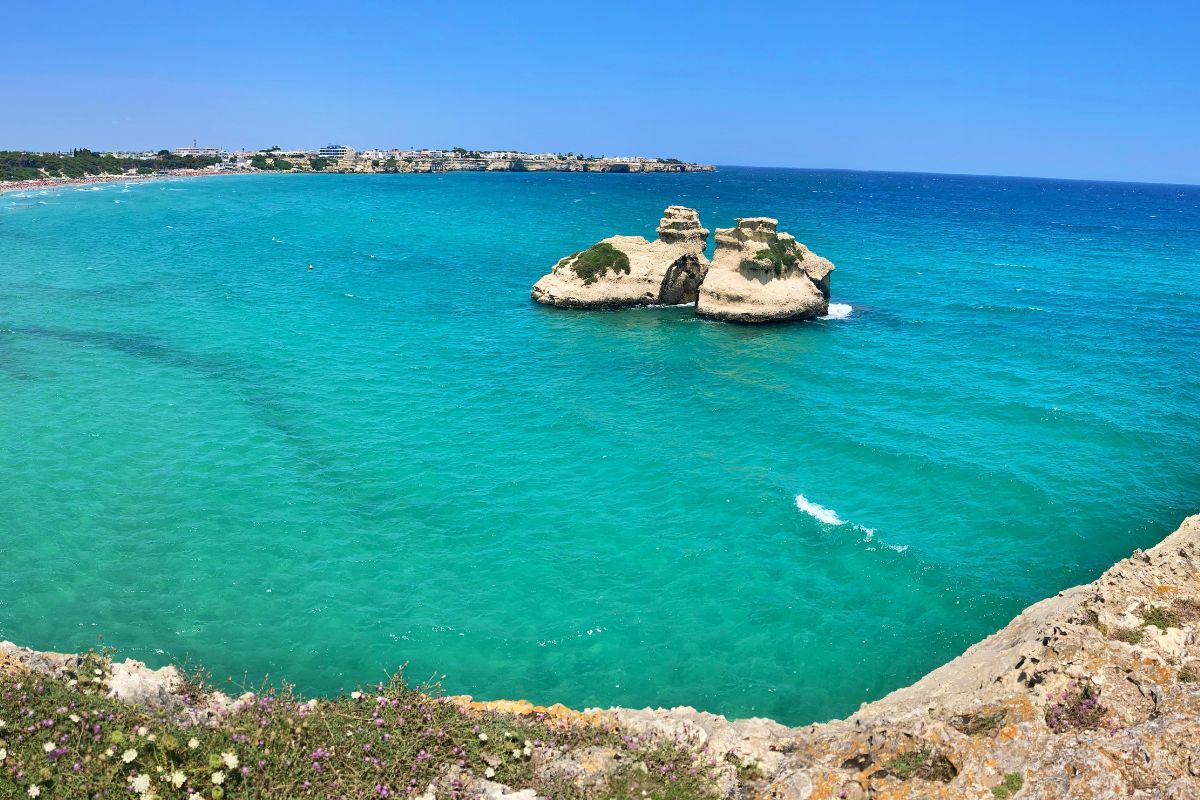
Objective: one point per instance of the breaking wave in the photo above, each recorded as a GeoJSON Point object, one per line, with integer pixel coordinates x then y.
{"type": "Point", "coordinates": [826, 515]}
{"type": "Point", "coordinates": [838, 311]}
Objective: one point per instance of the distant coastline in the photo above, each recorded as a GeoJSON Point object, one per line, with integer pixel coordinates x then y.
{"type": "Point", "coordinates": [20, 171]}
{"type": "Point", "coordinates": [16, 187]}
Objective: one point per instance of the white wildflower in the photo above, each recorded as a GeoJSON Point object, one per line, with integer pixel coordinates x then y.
{"type": "Point", "coordinates": [356, 695]}
{"type": "Point", "coordinates": [218, 778]}
{"type": "Point", "coordinates": [528, 751]}
{"type": "Point", "coordinates": [516, 753]}
{"type": "Point", "coordinates": [3, 724]}
{"type": "Point", "coordinates": [193, 743]}
{"type": "Point", "coordinates": [3, 753]}
{"type": "Point", "coordinates": [151, 737]}
{"type": "Point", "coordinates": [178, 778]}
{"type": "Point", "coordinates": [34, 791]}
{"type": "Point", "coordinates": [48, 746]}
{"type": "Point", "coordinates": [489, 773]}
{"type": "Point", "coordinates": [141, 784]}
{"type": "Point", "coordinates": [74, 718]}
{"type": "Point", "coordinates": [129, 755]}
{"type": "Point", "coordinates": [483, 737]}
{"type": "Point", "coordinates": [142, 730]}
{"type": "Point", "coordinates": [230, 759]}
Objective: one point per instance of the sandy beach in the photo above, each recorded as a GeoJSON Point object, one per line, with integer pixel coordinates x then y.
{"type": "Point", "coordinates": [59, 183]}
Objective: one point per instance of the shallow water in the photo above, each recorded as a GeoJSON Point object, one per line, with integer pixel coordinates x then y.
{"type": "Point", "coordinates": [208, 452]}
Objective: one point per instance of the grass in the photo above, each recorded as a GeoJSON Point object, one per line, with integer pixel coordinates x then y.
{"type": "Point", "coordinates": [1130, 635]}
{"type": "Point", "coordinates": [597, 260]}
{"type": "Point", "coordinates": [905, 764]}
{"type": "Point", "coordinates": [1159, 617]}
{"type": "Point", "coordinates": [1013, 781]}
{"type": "Point", "coordinates": [63, 738]}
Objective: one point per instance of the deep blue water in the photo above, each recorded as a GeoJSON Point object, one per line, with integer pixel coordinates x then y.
{"type": "Point", "coordinates": [209, 452]}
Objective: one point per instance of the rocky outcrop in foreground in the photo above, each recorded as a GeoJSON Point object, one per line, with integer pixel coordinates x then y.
{"type": "Point", "coordinates": [1093, 693]}
{"type": "Point", "coordinates": [628, 271]}
{"type": "Point", "coordinates": [757, 275]}
{"type": "Point", "coordinates": [761, 275]}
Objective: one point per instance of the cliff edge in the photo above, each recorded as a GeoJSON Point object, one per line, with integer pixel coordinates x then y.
{"type": "Point", "coordinates": [1093, 693]}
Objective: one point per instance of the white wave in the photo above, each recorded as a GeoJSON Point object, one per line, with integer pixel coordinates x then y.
{"type": "Point", "coordinates": [826, 515]}
{"type": "Point", "coordinates": [838, 311]}
{"type": "Point", "coordinates": [830, 517]}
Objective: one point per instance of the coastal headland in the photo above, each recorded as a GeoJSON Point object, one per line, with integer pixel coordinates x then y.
{"type": "Point", "coordinates": [28, 170]}
{"type": "Point", "coordinates": [1093, 693]}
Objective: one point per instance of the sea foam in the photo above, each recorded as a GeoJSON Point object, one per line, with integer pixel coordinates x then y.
{"type": "Point", "coordinates": [830, 517]}
{"type": "Point", "coordinates": [838, 311]}
{"type": "Point", "coordinates": [826, 515]}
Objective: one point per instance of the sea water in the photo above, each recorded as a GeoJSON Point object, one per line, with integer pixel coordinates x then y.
{"type": "Point", "coordinates": [210, 453]}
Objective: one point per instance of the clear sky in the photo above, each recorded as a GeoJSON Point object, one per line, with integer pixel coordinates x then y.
{"type": "Point", "coordinates": [1107, 90]}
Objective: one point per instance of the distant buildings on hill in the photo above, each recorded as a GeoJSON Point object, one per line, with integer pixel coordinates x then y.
{"type": "Point", "coordinates": [342, 158]}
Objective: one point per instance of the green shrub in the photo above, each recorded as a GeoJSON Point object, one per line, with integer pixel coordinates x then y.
{"type": "Point", "coordinates": [1160, 618]}
{"type": "Point", "coordinates": [1130, 635]}
{"type": "Point", "coordinates": [780, 256]}
{"type": "Point", "coordinates": [905, 764]}
{"type": "Point", "coordinates": [1013, 782]}
{"type": "Point", "coordinates": [597, 260]}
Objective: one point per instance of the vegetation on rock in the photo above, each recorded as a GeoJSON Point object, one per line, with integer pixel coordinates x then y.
{"type": "Point", "coordinates": [1159, 617]}
{"type": "Point", "coordinates": [922, 763]}
{"type": "Point", "coordinates": [979, 724]}
{"type": "Point", "coordinates": [1013, 781]}
{"type": "Point", "coordinates": [1076, 708]}
{"type": "Point", "coordinates": [63, 737]}
{"type": "Point", "coordinates": [780, 256]}
{"type": "Point", "coordinates": [593, 263]}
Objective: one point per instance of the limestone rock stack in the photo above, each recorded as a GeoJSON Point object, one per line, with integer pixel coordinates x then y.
{"type": "Point", "coordinates": [761, 275]}
{"type": "Point", "coordinates": [627, 271]}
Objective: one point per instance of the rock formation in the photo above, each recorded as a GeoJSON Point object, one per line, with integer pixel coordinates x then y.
{"type": "Point", "coordinates": [627, 271]}
{"type": "Point", "coordinates": [757, 273]}
{"type": "Point", "coordinates": [761, 275]}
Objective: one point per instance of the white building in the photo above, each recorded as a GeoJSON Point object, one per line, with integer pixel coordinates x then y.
{"type": "Point", "coordinates": [199, 151]}
{"type": "Point", "coordinates": [337, 152]}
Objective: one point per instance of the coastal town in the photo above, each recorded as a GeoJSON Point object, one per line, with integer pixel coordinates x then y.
{"type": "Point", "coordinates": [19, 169]}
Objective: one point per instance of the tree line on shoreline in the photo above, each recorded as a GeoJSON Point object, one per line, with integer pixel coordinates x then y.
{"type": "Point", "coordinates": [24, 166]}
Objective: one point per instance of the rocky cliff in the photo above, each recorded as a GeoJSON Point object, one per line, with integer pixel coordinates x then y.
{"type": "Point", "coordinates": [1093, 693]}
{"type": "Point", "coordinates": [627, 271]}
{"type": "Point", "coordinates": [761, 275]}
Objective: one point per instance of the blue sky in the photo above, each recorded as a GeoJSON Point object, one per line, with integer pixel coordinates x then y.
{"type": "Point", "coordinates": [1082, 90]}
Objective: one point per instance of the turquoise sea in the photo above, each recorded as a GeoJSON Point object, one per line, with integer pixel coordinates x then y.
{"type": "Point", "coordinates": [210, 453]}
